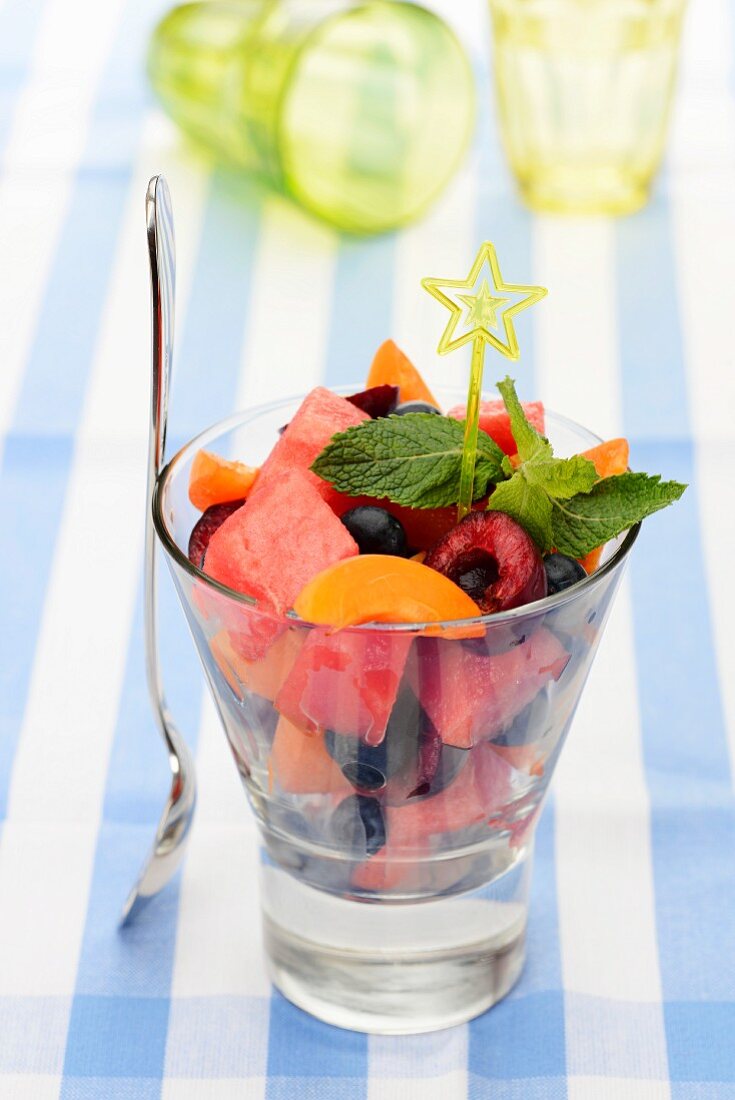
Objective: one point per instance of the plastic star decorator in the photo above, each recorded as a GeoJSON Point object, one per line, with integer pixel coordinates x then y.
{"type": "Point", "coordinates": [479, 303]}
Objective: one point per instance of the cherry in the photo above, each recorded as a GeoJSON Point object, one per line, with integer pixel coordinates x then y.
{"type": "Point", "coordinates": [491, 558]}
{"type": "Point", "coordinates": [377, 401]}
{"type": "Point", "coordinates": [205, 527]}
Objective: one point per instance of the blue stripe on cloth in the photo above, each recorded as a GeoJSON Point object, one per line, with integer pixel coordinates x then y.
{"type": "Point", "coordinates": [301, 1047]}
{"type": "Point", "coordinates": [684, 744]}
{"type": "Point", "coordinates": [119, 968]}
{"type": "Point", "coordinates": [19, 23]}
{"type": "Point", "coordinates": [207, 363]}
{"type": "Point", "coordinates": [51, 397]}
{"type": "Point", "coordinates": [362, 307]}
{"type": "Point", "coordinates": [29, 465]}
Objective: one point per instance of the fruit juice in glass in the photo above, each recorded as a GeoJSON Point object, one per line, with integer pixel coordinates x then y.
{"type": "Point", "coordinates": [584, 91]}
{"type": "Point", "coordinates": [396, 869]}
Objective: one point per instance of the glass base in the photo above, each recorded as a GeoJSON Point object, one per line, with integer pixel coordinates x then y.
{"type": "Point", "coordinates": [602, 190]}
{"type": "Point", "coordinates": [395, 969]}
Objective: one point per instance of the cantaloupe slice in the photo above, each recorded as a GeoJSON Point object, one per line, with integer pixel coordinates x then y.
{"type": "Point", "coordinates": [216, 480]}
{"type": "Point", "coordinates": [391, 367]}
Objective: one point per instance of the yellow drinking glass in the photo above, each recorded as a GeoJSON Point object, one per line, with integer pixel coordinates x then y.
{"type": "Point", "coordinates": [584, 91]}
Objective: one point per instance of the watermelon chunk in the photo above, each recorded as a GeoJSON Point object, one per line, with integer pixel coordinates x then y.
{"type": "Point", "coordinates": [480, 793]}
{"type": "Point", "coordinates": [320, 416]}
{"type": "Point", "coordinates": [346, 682]}
{"type": "Point", "coordinates": [495, 421]}
{"type": "Point", "coordinates": [471, 696]}
{"type": "Point", "coordinates": [282, 537]}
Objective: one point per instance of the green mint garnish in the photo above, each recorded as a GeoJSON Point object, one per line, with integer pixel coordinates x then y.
{"type": "Point", "coordinates": [412, 460]}
{"type": "Point", "coordinates": [532, 446]}
{"type": "Point", "coordinates": [612, 506]}
{"type": "Point", "coordinates": [561, 502]}
{"type": "Point", "coordinates": [528, 504]}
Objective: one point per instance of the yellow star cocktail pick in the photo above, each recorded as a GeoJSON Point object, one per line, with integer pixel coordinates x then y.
{"type": "Point", "coordinates": [479, 305]}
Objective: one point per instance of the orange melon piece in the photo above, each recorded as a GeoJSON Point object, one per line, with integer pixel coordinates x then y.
{"type": "Point", "coordinates": [375, 588]}
{"type": "Point", "coordinates": [264, 675]}
{"type": "Point", "coordinates": [216, 480]}
{"type": "Point", "coordinates": [300, 764]}
{"type": "Point", "coordinates": [609, 458]}
{"type": "Point", "coordinates": [391, 367]}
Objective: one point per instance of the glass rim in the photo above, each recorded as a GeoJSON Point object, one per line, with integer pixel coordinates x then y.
{"type": "Point", "coordinates": [290, 618]}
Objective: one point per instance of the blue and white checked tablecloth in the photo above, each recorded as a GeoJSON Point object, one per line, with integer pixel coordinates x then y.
{"type": "Point", "coordinates": [629, 991]}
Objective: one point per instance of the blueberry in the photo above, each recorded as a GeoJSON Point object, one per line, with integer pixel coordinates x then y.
{"type": "Point", "coordinates": [376, 531]}
{"type": "Point", "coordinates": [358, 824]}
{"type": "Point", "coordinates": [562, 572]}
{"type": "Point", "coordinates": [369, 767]}
{"type": "Point", "coordinates": [365, 766]}
{"type": "Point", "coordinates": [415, 407]}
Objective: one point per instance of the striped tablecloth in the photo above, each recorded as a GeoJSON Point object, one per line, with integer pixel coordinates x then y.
{"type": "Point", "coordinates": [629, 990]}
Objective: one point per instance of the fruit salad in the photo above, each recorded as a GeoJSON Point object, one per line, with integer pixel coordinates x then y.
{"type": "Point", "coordinates": [396, 685]}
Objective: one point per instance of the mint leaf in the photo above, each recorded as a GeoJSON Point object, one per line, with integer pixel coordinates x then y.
{"type": "Point", "coordinates": [562, 478]}
{"type": "Point", "coordinates": [532, 447]}
{"type": "Point", "coordinates": [528, 504]}
{"type": "Point", "coordinates": [613, 505]}
{"type": "Point", "coordinates": [412, 460]}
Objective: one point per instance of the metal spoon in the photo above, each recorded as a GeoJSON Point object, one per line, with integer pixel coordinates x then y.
{"type": "Point", "coordinates": [173, 827]}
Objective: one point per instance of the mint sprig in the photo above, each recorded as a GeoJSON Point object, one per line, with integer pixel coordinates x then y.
{"type": "Point", "coordinates": [528, 504]}
{"type": "Point", "coordinates": [531, 445]}
{"type": "Point", "coordinates": [412, 460]}
{"type": "Point", "coordinates": [613, 505]}
{"type": "Point", "coordinates": [561, 502]}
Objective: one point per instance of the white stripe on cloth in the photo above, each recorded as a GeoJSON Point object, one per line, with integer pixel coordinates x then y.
{"type": "Point", "coordinates": [577, 338]}
{"type": "Point", "coordinates": [702, 175]}
{"type": "Point", "coordinates": [441, 245]}
{"type": "Point", "coordinates": [287, 326]}
{"type": "Point", "coordinates": [616, 1088]}
{"type": "Point", "coordinates": [29, 1086]}
{"type": "Point", "coordinates": [218, 945]}
{"type": "Point", "coordinates": [44, 147]}
{"type": "Point", "coordinates": [223, 1088]}
{"type": "Point", "coordinates": [59, 774]}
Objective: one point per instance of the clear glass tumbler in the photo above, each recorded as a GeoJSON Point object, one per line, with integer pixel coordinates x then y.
{"type": "Point", "coordinates": [394, 876]}
{"type": "Point", "coordinates": [361, 112]}
{"type": "Point", "coordinates": [584, 92]}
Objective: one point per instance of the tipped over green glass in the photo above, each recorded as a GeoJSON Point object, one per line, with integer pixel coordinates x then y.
{"type": "Point", "coordinates": [359, 112]}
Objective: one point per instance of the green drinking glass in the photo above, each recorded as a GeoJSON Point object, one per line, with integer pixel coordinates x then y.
{"type": "Point", "coordinates": [359, 112]}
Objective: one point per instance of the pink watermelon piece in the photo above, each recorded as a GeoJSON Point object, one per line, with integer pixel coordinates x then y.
{"type": "Point", "coordinates": [346, 682]}
{"type": "Point", "coordinates": [471, 696]}
{"type": "Point", "coordinates": [495, 421]}
{"type": "Point", "coordinates": [480, 793]}
{"type": "Point", "coordinates": [320, 416]}
{"type": "Point", "coordinates": [282, 537]}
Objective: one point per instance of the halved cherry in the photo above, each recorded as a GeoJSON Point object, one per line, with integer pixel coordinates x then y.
{"type": "Point", "coordinates": [377, 588]}
{"type": "Point", "coordinates": [491, 557]}
{"type": "Point", "coordinates": [391, 367]}
{"type": "Point", "coordinates": [216, 480]}
{"type": "Point", "coordinates": [608, 458]}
